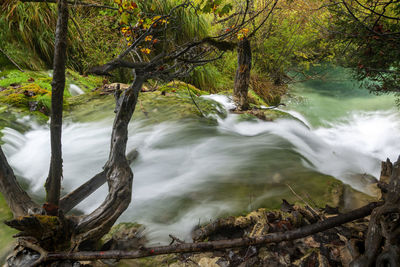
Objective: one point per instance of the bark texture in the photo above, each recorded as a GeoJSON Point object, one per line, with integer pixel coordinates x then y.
{"type": "Point", "coordinates": [118, 172]}
{"type": "Point", "coordinates": [69, 201]}
{"type": "Point", "coordinates": [17, 199]}
{"type": "Point", "coordinates": [53, 182]}
{"type": "Point", "coordinates": [242, 77]}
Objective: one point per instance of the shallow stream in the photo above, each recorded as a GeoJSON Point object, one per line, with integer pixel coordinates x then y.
{"type": "Point", "coordinates": [189, 172]}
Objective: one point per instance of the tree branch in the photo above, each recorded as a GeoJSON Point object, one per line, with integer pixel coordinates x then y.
{"type": "Point", "coordinates": [119, 175]}
{"type": "Point", "coordinates": [72, 199]}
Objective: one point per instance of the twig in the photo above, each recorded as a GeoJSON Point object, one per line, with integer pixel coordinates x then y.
{"type": "Point", "coordinates": [175, 239]}
{"type": "Point", "coordinates": [302, 199]}
{"type": "Point", "coordinates": [143, 110]}
{"type": "Point", "coordinates": [12, 61]}
{"type": "Point", "coordinates": [191, 96]}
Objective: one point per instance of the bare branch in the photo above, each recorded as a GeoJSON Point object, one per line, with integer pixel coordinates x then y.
{"type": "Point", "coordinates": [71, 200]}
{"type": "Point", "coordinates": [264, 20]}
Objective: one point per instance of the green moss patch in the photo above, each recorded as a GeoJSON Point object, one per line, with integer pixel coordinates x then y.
{"type": "Point", "coordinates": [6, 232]}
{"type": "Point", "coordinates": [167, 104]}
{"type": "Point", "coordinates": [31, 90]}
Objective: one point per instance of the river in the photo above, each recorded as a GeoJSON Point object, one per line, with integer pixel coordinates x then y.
{"type": "Point", "coordinates": [188, 172]}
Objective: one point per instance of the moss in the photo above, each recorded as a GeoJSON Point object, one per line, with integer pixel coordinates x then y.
{"type": "Point", "coordinates": [6, 232]}
{"type": "Point", "coordinates": [120, 227]}
{"type": "Point", "coordinates": [154, 107]}
{"type": "Point", "coordinates": [31, 90]}
{"type": "Point", "coordinates": [50, 221]}
{"type": "Point", "coordinates": [179, 86]}
{"type": "Point", "coordinates": [15, 99]}
{"type": "Point", "coordinates": [266, 115]}
{"type": "Point", "coordinates": [86, 82]}
{"type": "Point", "coordinates": [256, 100]}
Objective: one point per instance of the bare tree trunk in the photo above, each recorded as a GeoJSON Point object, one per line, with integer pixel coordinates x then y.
{"type": "Point", "coordinates": [53, 182]}
{"type": "Point", "coordinates": [242, 77]}
{"type": "Point", "coordinates": [118, 172]}
{"type": "Point", "coordinates": [17, 199]}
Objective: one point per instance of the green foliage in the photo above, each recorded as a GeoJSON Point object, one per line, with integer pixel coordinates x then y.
{"type": "Point", "coordinates": [368, 33]}
{"type": "Point", "coordinates": [207, 78]}
{"type": "Point", "coordinates": [27, 31]}
{"type": "Point", "coordinates": [100, 37]}
{"type": "Point", "coordinates": [292, 40]}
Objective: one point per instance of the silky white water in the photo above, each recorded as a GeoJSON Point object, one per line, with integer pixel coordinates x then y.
{"type": "Point", "coordinates": [189, 172]}
{"type": "Point", "coordinates": [75, 90]}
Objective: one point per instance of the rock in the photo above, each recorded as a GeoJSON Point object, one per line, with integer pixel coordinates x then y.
{"type": "Point", "coordinates": [208, 262]}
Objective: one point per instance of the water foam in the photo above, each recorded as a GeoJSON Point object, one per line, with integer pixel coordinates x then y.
{"type": "Point", "coordinates": [181, 163]}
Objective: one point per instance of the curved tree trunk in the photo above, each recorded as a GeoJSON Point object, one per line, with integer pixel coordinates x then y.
{"type": "Point", "coordinates": [17, 199]}
{"type": "Point", "coordinates": [118, 172]}
{"type": "Point", "coordinates": [242, 77]}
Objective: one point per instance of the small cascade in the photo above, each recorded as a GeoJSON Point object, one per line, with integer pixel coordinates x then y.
{"type": "Point", "coordinates": [75, 90]}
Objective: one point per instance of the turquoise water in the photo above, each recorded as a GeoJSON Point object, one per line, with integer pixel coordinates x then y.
{"type": "Point", "coordinates": [189, 172]}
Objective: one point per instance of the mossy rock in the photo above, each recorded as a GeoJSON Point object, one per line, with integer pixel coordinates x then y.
{"type": "Point", "coordinates": [154, 107]}
{"type": "Point", "coordinates": [179, 86]}
{"type": "Point", "coordinates": [31, 90]}
{"type": "Point", "coordinates": [265, 115]}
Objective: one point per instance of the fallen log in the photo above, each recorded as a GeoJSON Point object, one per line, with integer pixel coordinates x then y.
{"type": "Point", "coordinates": [220, 244]}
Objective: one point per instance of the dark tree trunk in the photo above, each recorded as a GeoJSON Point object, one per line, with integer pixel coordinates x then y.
{"type": "Point", "coordinates": [53, 182]}
{"type": "Point", "coordinates": [242, 77]}
{"type": "Point", "coordinates": [382, 243]}
{"type": "Point", "coordinates": [118, 172]}
{"type": "Point", "coordinates": [17, 199]}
